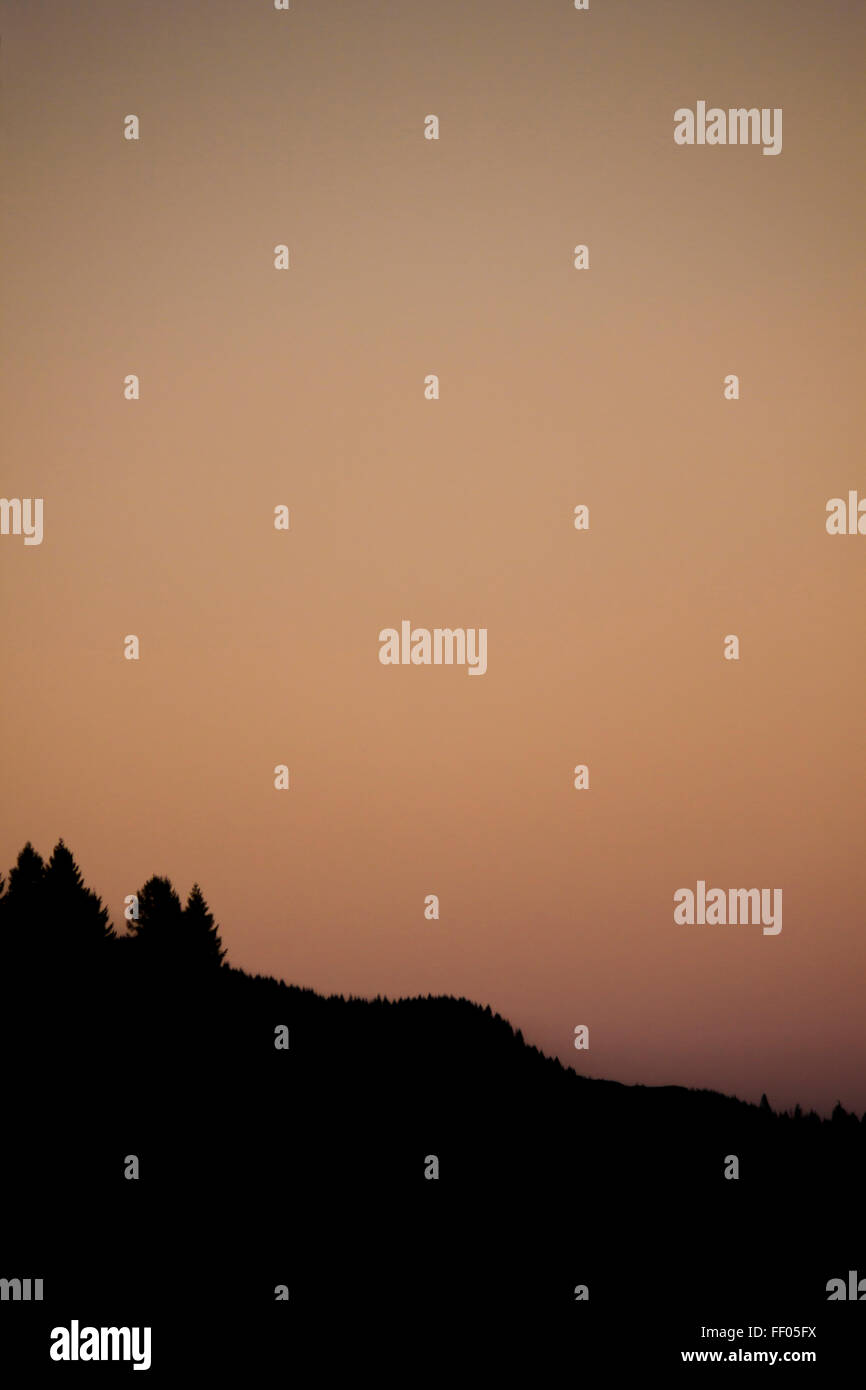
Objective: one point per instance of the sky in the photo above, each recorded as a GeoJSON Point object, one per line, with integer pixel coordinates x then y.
{"type": "Point", "coordinates": [558, 387]}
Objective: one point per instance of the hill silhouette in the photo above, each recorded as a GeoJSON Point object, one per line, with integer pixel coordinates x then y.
{"type": "Point", "coordinates": [303, 1164]}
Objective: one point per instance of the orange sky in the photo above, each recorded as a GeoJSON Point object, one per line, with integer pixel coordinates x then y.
{"type": "Point", "coordinates": [558, 387]}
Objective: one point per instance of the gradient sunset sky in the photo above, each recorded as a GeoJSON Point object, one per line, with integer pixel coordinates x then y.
{"type": "Point", "coordinates": [558, 387]}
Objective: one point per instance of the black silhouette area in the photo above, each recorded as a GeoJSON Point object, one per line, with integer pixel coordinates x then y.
{"type": "Point", "coordinates": [304, 1167]}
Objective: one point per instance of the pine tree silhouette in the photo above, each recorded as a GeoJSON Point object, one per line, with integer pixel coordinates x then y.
{"type": "Point", "coordinates": [200, 942]}
{"type": "Point", "coordinates": [841, 1119]}
{"type": "Point", "coordinates": [76, 921]}
{"type": "Point", "coordinates": [27, 880]}
{"type": "Point", "coordinates": [157, 928]}
{"type": "Point", "coordinates": [22, 907]}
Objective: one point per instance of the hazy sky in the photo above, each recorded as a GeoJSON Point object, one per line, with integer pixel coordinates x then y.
{"type": "Point", "coordinates": [558, 387]}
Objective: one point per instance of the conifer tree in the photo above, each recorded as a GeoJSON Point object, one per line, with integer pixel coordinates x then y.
{"type": "Point", "coordinates": [157, 928]}
{"type": "Point", "coordinates": [202, 946]}
{"type": "Point", "coordinates": [23, 906]}
{"type": "Point", "coordinates": [77, 921]}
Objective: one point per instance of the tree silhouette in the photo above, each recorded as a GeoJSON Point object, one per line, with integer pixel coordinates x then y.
{"type": "Point", "coordinates": [22, 906]}
{"type": "Point", "coordinates": [183, 940]}
{"type": "Point", "coordinates": [49, 916]}
{"type": "Point", "coordinates": [157, 928]}
{"type": "Point", "coordinates": [27, 880]}
{"type": "Point", "coordinates": [76, 921]}
{"type": "Point", "coordinates": [841, 1119]}
{"type": "Point", "coordinates": [200, 943]}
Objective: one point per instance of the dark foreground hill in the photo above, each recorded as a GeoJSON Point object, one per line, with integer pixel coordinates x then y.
{"type": "Point", "coordinates": [305, 1166]}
